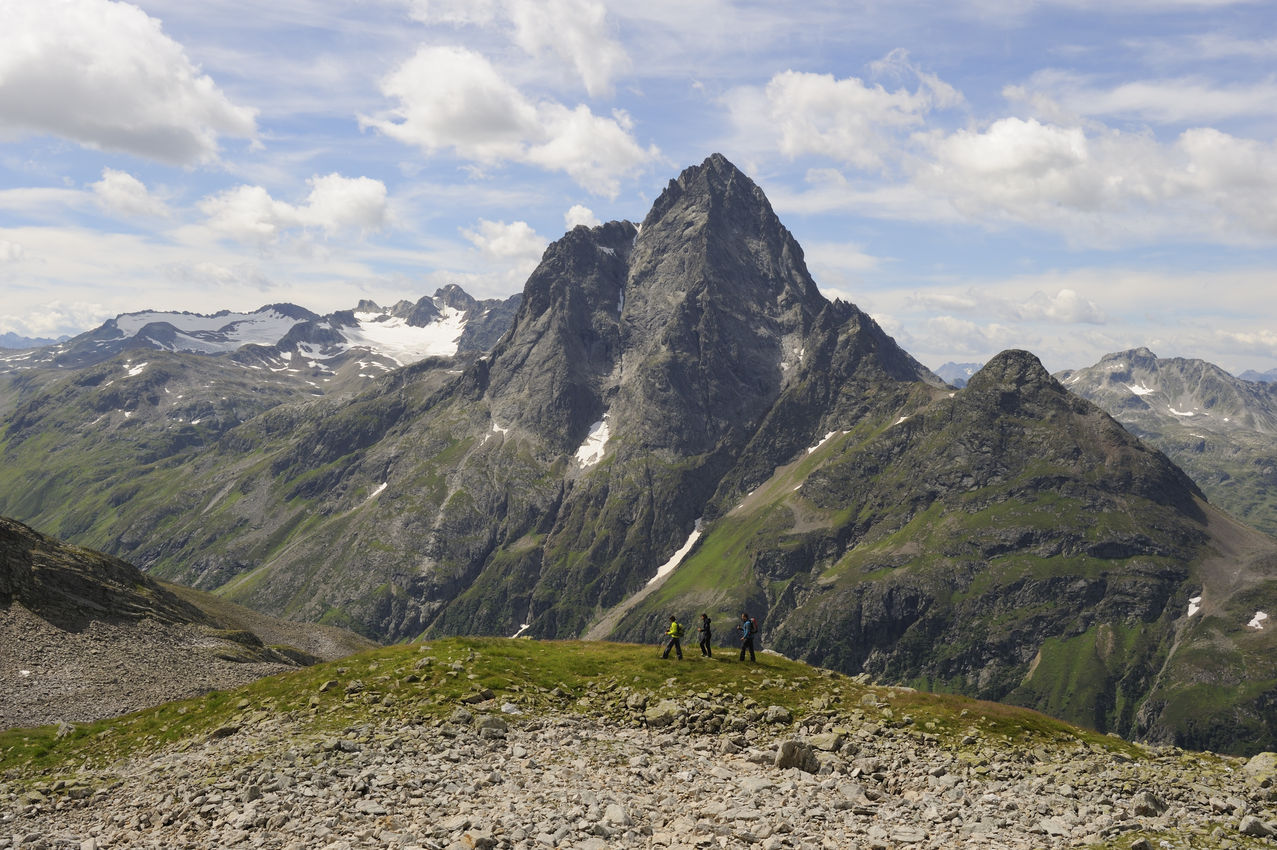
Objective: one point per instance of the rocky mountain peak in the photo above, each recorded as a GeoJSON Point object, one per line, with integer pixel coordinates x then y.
{"type": "Point", "coordinates": [1013, 369]}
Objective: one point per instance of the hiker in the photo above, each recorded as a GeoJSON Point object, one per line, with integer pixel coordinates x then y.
{"type": "Point", "coordinates": [675, 633]}
{"type": "Point", "coordinates": [746, 629]}
{"type": "Point", "coordinates": [704, 633]}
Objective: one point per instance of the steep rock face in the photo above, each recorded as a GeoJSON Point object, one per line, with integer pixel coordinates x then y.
{"type": "Point", "coordinates": [550, 374]}
{"type": "Point", "coordinates": [677, 343]}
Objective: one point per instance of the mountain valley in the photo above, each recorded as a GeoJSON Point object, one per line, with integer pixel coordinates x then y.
{"type": "Point", "coordinates": [677, 386]}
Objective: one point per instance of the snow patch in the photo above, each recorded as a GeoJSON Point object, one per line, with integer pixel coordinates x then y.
{"type": "Point", "coordinates": [898, 421]}
{"type": "Point", "coordinates": [375, 493]}
{"type": "Point", "coordinates": [611, 252]}
{"type": "Point", "coordinates": [523, 627]}
{"type": "Point", "coordinates": [134, 371]}
{"type": "Point", "coordinates": [591, 451]}
{"type": "Point", "coordinates": [497, 429]}
{"type": "Point", "coordinates": [1139, 389]}
{"type": "Point", "coordinates": [1181, 412]}
{"type": "Point", "coordinates": [1194, 605]}
{"type": "Point", "coordinates": [1257, 621]}
{"type": "Point", "coordinates": [677, 558]}
{"type": "Point", "coordinates": [24, 673]}
{"type": "Point", "coordinates": [823, 440]}
{"type": "Point", "coordinates": [405, 343]}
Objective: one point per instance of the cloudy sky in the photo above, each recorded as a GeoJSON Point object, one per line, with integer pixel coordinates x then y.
{"type": "Point", "coordinates": [1073, 177]}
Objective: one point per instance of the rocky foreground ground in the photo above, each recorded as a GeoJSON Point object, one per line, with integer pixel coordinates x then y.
{"type": "Point", "coordinates": [702, 770]}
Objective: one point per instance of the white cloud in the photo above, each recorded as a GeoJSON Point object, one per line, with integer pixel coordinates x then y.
{"type": "Point", "coordinates": [216, 275]}
{"type": "Point", "coordinates": [456, 12]}
{"type": "Point", "coordinates": [52, 319]}
{"type": "Point", "coordinates": [1105, 187]}
{"type": "Point", "coordinates": [454, 98]}
{"type": "Point", "coordinates": [339, 203]}
{"type": "Point", "coordinates": [10, 252]}
{"type": "Point", "coordinates": [1003, 299]}
{"type": "Point", "coordinates": [575, 30]}
{"type": "Point", "coordinates": [121, 192]}
{"type": "Point", "coordinates": [579, 214]}
{"type": "Point", "coordinates": [1178, 100]}
{"type": "Point", "coordinates": [512, 250]}
{"type": "Point", "coordinates": [105, 75]}
{"type": "Point", "coordinates": [335, 204]}
{"type": "Point", "coordinates": [1065, 307]}
{"type": "Point", "coordinates": [847, 120]}
{"type": "Point", "coordinates": [963, 336]}
{"type": "Point", "coordinates": [514, 241]}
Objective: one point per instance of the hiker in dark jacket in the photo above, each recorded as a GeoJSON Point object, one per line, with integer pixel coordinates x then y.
{"type": "Point", "coordinates": [675, 633]}
{"type": "Point", "coordinates": [746, 630]}
{"type": "Point", "coordinates": [704, 633]}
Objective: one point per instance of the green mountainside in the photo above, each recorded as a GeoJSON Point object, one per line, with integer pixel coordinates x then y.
{"type": "Point", "coordinates": [685, 377]}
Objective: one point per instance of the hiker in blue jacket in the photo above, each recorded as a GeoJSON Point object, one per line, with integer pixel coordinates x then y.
{"type": "Point", "coordinates": [746, 636]}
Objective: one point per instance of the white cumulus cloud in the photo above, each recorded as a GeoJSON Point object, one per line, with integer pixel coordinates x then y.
{"type": "Point", "coordinates": [452, 98]}
{"type": "Point", "coordinates": [579, 214]}
{"type": "Point", "coordinates": [848, 120]}
{"type": "Point", "coordinates": [335, 204]}
{"type": "Point", "coordinates": [577, 32]}
{"type": "Point", "coordinates": [10, 252]}
{"type": "Point", "coordinates": [54, 318]}
{"type": "Point", "coordinates": [499, 240]}
{"type": "Point", "coordinates": [121, 192]}
{"type": "Point", "coordinates": [104, 74]}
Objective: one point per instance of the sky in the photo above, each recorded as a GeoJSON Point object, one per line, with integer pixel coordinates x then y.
{"type": "Point", "coordinates": [1070, 177]}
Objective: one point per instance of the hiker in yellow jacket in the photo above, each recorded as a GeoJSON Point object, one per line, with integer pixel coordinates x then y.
{"type": "Point", "coordinates": [675, 634]}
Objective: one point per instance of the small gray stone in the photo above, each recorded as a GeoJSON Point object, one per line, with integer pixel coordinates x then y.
{"type": "Point", "coordinates": [616, 815]}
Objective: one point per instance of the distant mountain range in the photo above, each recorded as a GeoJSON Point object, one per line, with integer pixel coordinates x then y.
{"type": "Point", "coordinates": [957, 374]}
{"type": "Point", "coordinates": [285, 337]}
{"type": "Point", "coordinates": [1268, 377]}
{"type": "Point", "coordinates": [11, 340]}
{"type": "Point", "coordinates": [675, 421]}
{"type": "Point", "coordinates": [1220, 429]}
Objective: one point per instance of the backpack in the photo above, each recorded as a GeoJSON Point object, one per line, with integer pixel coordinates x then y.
{"type": "Point", "coordinates": [676, 631]}
{"type": "Point", "coordinates": [753, 627]}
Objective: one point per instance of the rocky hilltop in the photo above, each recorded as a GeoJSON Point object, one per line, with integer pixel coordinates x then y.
{"type": "Point", "coordinates": [521, 744]}
{"type": "Point", "coordinates": [677, 421]}
{"type": "Point", "coordinates": [86, 636]}
{"type": "Point", "coordinates": [1220, 429]}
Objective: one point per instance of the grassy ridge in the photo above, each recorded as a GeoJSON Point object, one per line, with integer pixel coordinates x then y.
{"type": "Point", "coordinates": [422, 683]}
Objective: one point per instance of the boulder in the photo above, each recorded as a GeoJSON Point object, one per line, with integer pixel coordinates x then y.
{"type": "Point", "coordinates": [1262, 768]}
{"type": "Point", "coordinates": [667, 712]}
{"type": "Point", "coordinates": [797, 754]}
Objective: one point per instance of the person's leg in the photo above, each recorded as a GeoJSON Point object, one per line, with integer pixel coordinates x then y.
{"type": "Point", "coordinates": [678, 647]}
